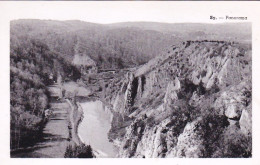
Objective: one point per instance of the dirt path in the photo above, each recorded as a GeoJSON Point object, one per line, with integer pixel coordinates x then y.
{"type": "Point", "coordinates": [55, 133]}
{"type": "Point", "coordinates": [61, 128]}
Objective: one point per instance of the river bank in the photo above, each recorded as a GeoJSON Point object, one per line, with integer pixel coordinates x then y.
{"type": "Point", "coordinates": [75, 116]}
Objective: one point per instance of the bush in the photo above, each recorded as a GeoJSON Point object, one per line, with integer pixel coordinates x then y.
{"type": "Point", "coordinates": [234, 144]}
{"type": "Point", "coordinates": [79, 151]}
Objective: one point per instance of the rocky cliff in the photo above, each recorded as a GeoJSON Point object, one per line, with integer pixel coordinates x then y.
{"type": "Point", "coordinates": [192, 101]}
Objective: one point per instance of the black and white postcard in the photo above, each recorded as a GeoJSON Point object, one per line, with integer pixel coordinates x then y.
{"type": "Point", "coordinates": [130, 80]}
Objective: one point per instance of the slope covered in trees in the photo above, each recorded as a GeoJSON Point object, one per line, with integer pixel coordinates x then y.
{"type": "Point", "coordinates": [32, 67]}
{"type": "Point", "coordinates": [108, 47]}
{"type": "Point", "coordinates": [121, 45]}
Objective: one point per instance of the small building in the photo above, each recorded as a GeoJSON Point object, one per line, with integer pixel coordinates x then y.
{"type": "Point", "coordinates": [85, 64]}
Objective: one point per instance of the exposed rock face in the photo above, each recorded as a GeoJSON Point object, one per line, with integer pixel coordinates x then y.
{"type": "Point", "coordinates": [235, 100]}
{"type": "Point", "coordinates": [187, 103]}
{"type": "Point", "coordinates": [245, 121]}
{"type": "Point", "coordinates": [171, 93]}
{"type": "Point", "coordinates": [190, 142]}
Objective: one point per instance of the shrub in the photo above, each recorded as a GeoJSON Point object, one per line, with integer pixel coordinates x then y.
{"type": "Point", "coordinates": [234, 144]}
{"type": "Point", "coordinates": [79, 151]}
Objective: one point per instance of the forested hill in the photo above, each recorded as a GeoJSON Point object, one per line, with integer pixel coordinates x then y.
{"type": "Point", "coordinates": [120, 45]}
{"type": "Point", "coordinates": [199, 31]}
{"type": "Point", "coordinates": [33, 66]}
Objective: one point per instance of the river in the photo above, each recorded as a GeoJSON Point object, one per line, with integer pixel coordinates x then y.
{"type": "Point", "coordinates": [93, 129]}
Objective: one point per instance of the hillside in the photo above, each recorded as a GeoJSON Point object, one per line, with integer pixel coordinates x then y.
{"type": "Point", "coordinates": [192, 101]}
{"type": "Point", "coordinates": [32, 68]}
{"type": "Point", "coordinates": [196, 31]}
{"type": "Point", "coordinates": [121, 45]}
{"type": "Point", "coordinates": [108, 47]}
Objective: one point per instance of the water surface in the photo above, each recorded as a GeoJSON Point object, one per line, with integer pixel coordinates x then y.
{"type": "Point", "coordinates": [94, 128]}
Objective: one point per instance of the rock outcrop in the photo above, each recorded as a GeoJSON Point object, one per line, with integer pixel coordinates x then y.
{"type": "Point", "coordinates": [189, 102]}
